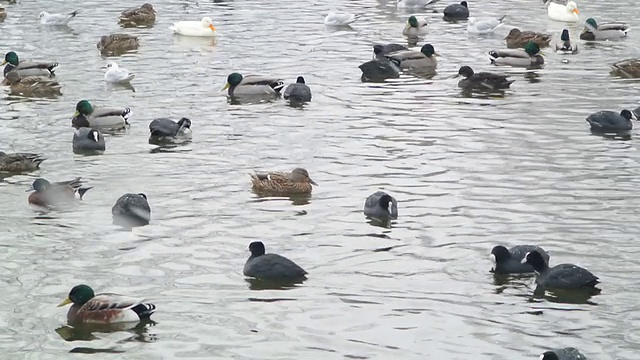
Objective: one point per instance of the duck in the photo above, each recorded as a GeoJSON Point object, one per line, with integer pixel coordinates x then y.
{"type": "Point", "coordinates": [415, 27]}
{"type": "Point", "coordinates": [47, 194]}
{"type": "Point", "coordinates": [117, 43]}
{"type": "Point", "coordinates": [415, 60]}
{"type": "Point", "coordinates": [406, 4]}
{"type": "Point", "coordinates": [380, 50]}
{"type": "Point", "coordinates": [88, 140]}
{"type": "Point", "coordinates": [596, 32]}
{"type": "Point", "coordinates": [509, 261]}
{"type": "Point", "coordinates": [565, 45]}
{"type": "Point", "coordinates": [517, 38]}
{"type": "Point", "coordinates": [282, 183]}
{"type": "Point", "coordinates": [20, 162]}
{"type": "Point", "coordinates": [339, 19]}
{"type": "Point", "coordinates": [143, 16]}
{"type": "Point", "coordinates": [32, 86]}
{"type": "Point", "coordinates": [271, 267]}
{"type": "Point", "coordinates": [562, 12]}
{"type": "Point", "coordinates": [481, 26]}
{"type": "Point", "coordinates": [164, 128]}
{"type": "Point", "coordinates": [482, 80]}
{"type": "Point", "coordinates": [529, 57]}
{"type": "Point", "coordinates": [559, 277]}
{"type": "Point", "coordinates": [611, 122]}
{"type": "Point", "coordinates": [298, 92]}
{"type": "Point", "coordinates": [568, 353]}
{"type": "Point", "coordinates": [381, 206]}
{"type": "Point", "coordinates": [629, 68]}
{"type": "Point", "coordinates": [3, 13]}
{"type": "Point", "coordinates": [239, 85]}
{"type": "Point", "coordinates": [378, 70]}
{"type": "Point", "coordinates": [56, 19]}
{"type": "Point", "coordinates": [117, 75]}
{"type": "Point", "coordinates": [88, 116]}
{"type": "Point", "coordinates": [202, 28]}
{"type": "Point", "coordinates": [456, 11]}
{"type": "Point", "coordinates": [104, 309]}
{"type": "Point", "coordinates": [25, 68]}
{"type": "Point", "coordinates": [131, 210]}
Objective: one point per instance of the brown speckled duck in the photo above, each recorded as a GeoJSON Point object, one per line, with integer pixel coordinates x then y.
{"type": "Point", "coordinates": [629, 68]}
{"type": "Point", "coordinates": [279, 183]}
{"type": "Point", "coordinates": [3, 14]}
{"type": "Point", "coordinates": [142, 16]}
{"type": "Point", "coordinates": [20, 162]}
{"type": "Point", "coordinates": [117, 43]}
{"type": "Point", "coordinates": [32, 86]}
{"type": "Point", "coordinates": [518, 39]}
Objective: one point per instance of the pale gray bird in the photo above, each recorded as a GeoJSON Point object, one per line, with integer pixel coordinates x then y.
{"type": "Point", "coordinates": [56, 19]}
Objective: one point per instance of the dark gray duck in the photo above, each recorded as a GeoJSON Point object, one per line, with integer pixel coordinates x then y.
{"type": "Point", "coordinates": [379, 51]}
{"type": "Point", "coordinates": [163, 127]}
{"type": "Point", "coordinates": [19, 162]}
{"type": "Point", "coordinates": [563, 276]}
{"type": "Point", "coordinates": [456, 11]}
{"type": "Point", "coordinates": [271, 266]}
{"type": "Point", "coordinates": [87, 140]}
{"type": "Point", "coordinates": [382, 206]}
{"type": "Point", "coordinates": [379, 70]}
{"type": "Point", "coordinates": [509, 261]}
{"type": "Point", "coordinates": [131, 210]}
{"type": "Point", "coordinates": [482, 80]}
{"type": "Point", "coordinates": [611, 122]}
{"type": "Point", "coordinates": [298, 92]}
{"type": "Point", "coordinates": [568, 353]}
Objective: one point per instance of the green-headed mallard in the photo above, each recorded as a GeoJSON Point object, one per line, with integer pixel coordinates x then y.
{"type": "Point", "coordinates": [610, 31]}
{"type": "Point", "coordinates": [117, 43]}
{"type": "Point", "coordinates": [416, 60]}
{"type": "Point", "coordinates": [3, 14]}
{"type": "Point", "coordinates": [105, 309]}
{"type": "Point", "coordinates": [517, 38]}
{"type": "Point", "coordinates": [48, 194]}
{"type": "Point", "coordinates": [529, 57]}
{"type": "Point", "coordinates": [280, 183]}
{"type": "Point", "coordinates": [26, 68]}
{"type": "Point", "coordinates": [20, 162]}
{"type": "Point", "coordinates": [32, 86]}
{"type": "Point", "coordinates": [482, 80]}
{"type": "Point", "coordinates": [415, 27]}
{"type": "Point", "coordinates": [110, 118]}
{"type": "Point", "coordinates": [629, 68]}
{"type": "Point", "coordinates": [253, 85]}
{"type": "Point", "coordinates": [565, 45]}
{"type": "Point", "coordinates": [142, 16]}
{"type": "Point", "coordinates": [610, 121]}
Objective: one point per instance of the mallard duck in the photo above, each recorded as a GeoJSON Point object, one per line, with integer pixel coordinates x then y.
{"type": "Point", "coordinates": [517, 38]}
{"type": "Point", "coordinates": [88, 140]}
{"type": "Point", "coordinates": [298, 92]}
{"type": "Point", "coordinates": [482, 80]}
{"type": "Point", "coordinates": [482, 26]}
{"type": "Point", "coordinates": [271, 267]}
{"type": "Point", "coordinates": [629, 68]}
{"type": "Point", "coordinates": [88, 116]}
{"type": "Point", "coordinates": [143, 16]}
{"type": "Point", "coordinates": [611, 122]}
{"type": "Point", "coordinates": [379, 51]}
{"type": "Point", "coordinates": [202, 28]}
{"type": "Point", "coordinates": [164, 128]}
{"type": "Point", "coordinates": [26, 68]}
{"type": "Point", "coordinates": [3, 14]}
{"type": "Point", "coordinates": [48, 194]}
{"type": "Point", "coordinates": [415, 27]}
{"type": "Point", "coordinates": [20, 162]}
{"type": "Point", "coordinates": [279, 183]}
{"type": "Point", "coordinates": [405, 4]}
{"type": "Point", "coordinates": [117, 43]}
{"type": "Point", "coordinates": [56, 19]}
{"type": "Point", "coordinates": [117, 75]}
{"type": "Point", "coordinates": [610, 31]}
{"type": "Point", "coordinates": [416, 60]}
{"type": "Point", "coordinates": [131, 210]}
{"type": "Point", "coordinates": [529, 57]}
{"type": "Point", "coordinates": [339, 19]}
{"type": "Point", "coordinates": [565, 45]}
{"type": "Point", "coordinates": [381, 206]}
{"type": "Point", "coordinates": [32, 86]}
{"type": "Point", "coordinates": [105, 309]}
{"type": "Point", "coordinates": [252, 85]}
{"type": "Point", "coordinates": [456, 11]}
{"type": "Point", "coordinates": [568, 353]}
{"type": "Point", "coordinates": [562, 12]}
{"type": "Point", "coordinates": [509, 261]}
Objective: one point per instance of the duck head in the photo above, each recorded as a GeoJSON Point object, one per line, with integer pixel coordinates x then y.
{"type": "Point", "coordinates": [465, 71]}
{"type": "Point", "coordinates": [534, 259]}
{"type": "Point", "coordinates": [40, 185]}
{"type": "Point", "coordinates": [531, 48]}
{"type": "Point", "coordinates": [300, 80]}
{"type": "Point", "coordinates": [83, 107]}
{"type": "Point", "coordinates": [413, 21]}
{"type": "Point", "coordinates": [565, 35]}
{"type": "Point", "coordinates": [573, 7]}
{"type": "Point", "coordinates": [79, 295]}
{"type": "Point", "coordinates": [591, 24]}
{"type": "Point", "coordinates": [11, 58]}
{"type": "Point", "coordinates": [233, 79]}
{"type": "Point", "coordinates": [208, 23]}
{"type": "Point", "coordinates": [257, 248]}
{"type": "Point", "coordinates": [184, 123]}
{"type": "Point", "coordinates": [301, 175]}
{"type": "Point", "coordinates": [428, 50]}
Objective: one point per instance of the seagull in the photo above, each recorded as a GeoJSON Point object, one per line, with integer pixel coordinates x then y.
{"type": "Point", "coordinates": [56, 19]}
{"type": "Point", "coordinates": [483, 25]}
{"type": "Point", "coordinates": [116, 74]}
{"type": "Point", "coordinates": [339, 19]}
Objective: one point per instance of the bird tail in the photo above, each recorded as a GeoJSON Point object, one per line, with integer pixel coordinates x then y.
{"type": "Point", "coordinates": [125, 114]}
{"type": "Point", "coordinates": [74, 13]}
{"type": "Point", "coordinates": [83, 190]}
{"type": "Point", "coordinates": [145, 310]}
{"type": "Point", "coordinates": [502, 18]}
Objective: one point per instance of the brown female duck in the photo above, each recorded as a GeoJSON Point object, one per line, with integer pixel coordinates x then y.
{"type": "Point", "coordinates": [32, 86]}
{"type": "Point", "coordinates": [518, 39]}
{"type": "Point", "coordinates": [20, 162]}
{"type": "Point", "coordinates": [279, 183]}
{"type": "Point", "coordinates": [629, 68]}
{"type": "Point", "coordinates": [117, 43]}
{"type": "Point", "coordinates": [142, 16]}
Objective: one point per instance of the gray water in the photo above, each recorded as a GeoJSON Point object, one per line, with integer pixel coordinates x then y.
{"type": "Point", "coordinates": [469, 173]}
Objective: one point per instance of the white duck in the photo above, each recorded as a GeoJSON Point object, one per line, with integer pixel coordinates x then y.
{"type": "Point", "coordinates": [562, 12]}
{"type": "Point", "coordinates": [203, 28]}
{"type": "Point", "coordinates": [483, 25]}
{"type": "Point", "coordinates": [339, 19]}
{"type": "Point", "coordinates": [116, 74]}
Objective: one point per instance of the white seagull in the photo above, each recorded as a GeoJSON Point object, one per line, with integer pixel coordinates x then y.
{"type": "Point", "coordinates": [483, 25]}
{"type": "Point", "coordinates": [116, 74]}
{"type": "Point", "coordinates": [56, 19]}
{"type": "Point", "coordinates": [339, 19]}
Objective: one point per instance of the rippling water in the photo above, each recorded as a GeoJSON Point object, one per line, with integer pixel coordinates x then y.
{"type": "Point", "coordinates": [469, 172]}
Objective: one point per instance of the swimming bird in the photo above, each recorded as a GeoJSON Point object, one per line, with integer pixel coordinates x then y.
{"type": "Point", "coordinates": [87, 140]}
{"type": "Point", "coordinates": [456, 11]}
{"type": "Point", "coordinates": [611, 122]}
{"type": "Point", "coordinates": [404, 4]}
{"type": "Point", "coordinates": [48, 194]}
{"type": "Point", "coordinates": [509, 261]}
{"type": "Point", "coordinates": [629, 68]}
{"type": "Point", "coordinates": [249, 85]}
{"type": "Point", "coordinates": [26, 68]}
{"type": "Point", "coordinates": [202, 28]}
{"type": "Point", "coordinates": [563, 276]}
{"type": "Point", "coordinates": [415, 60]}
{"type": "Point", "coordinates": [529, 57]}
{"type": "Point", "coordinates": [88, 116]}
{"type": "Point", "coordinates": [379, 69]}
{"type": "Point", "coordinates": [163, 128]}
{"type": "Point", "coordinates": [20, 162]}
{"type": "Point", "coordinates": [381, 206]}
{"type": "Point", "coordinates": [142, 16]}
{"type": "Point", "coordinates": [379, 50]}
{"type": "Point", "coordinates": [283, 184]}
{"type": "Point", "coordinates": [562, 12]}
{"type": "Point", "coordinates": [415, 27]}
{"type": "Point", "coordinates": [517, 38]}
{"type": "Point", "coordinates": [131, 210]}
{"type": "Point", "coordinates": [298, 92]}
{"type": "Point", "coordinates": [271, 267]}
{"type": "Point", "coordinates": [565, 45]}
{"type": "Point", "coordinates": [482, 81]}
{"type": "Point", "coordinates": [117, 75]}
{"type": "Point", "coordinates": [482, 26]}
{"type": "Point", "coordinates": [32, 86]}
{"type": "Point", "coordinates": [339, 19]}
{"type": "Point", "coordinates": [56, 19]}
{"type": "Point", "coordinates": [568, 353]}
{"type": "Point", "coordinates": [609, 31]}
{"type": "Point", "coordinates": [117, 44]}
{"type": "Point", "coordinates": [107, 308]}
{"type": "Point", "coordinates": [3, 13]}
